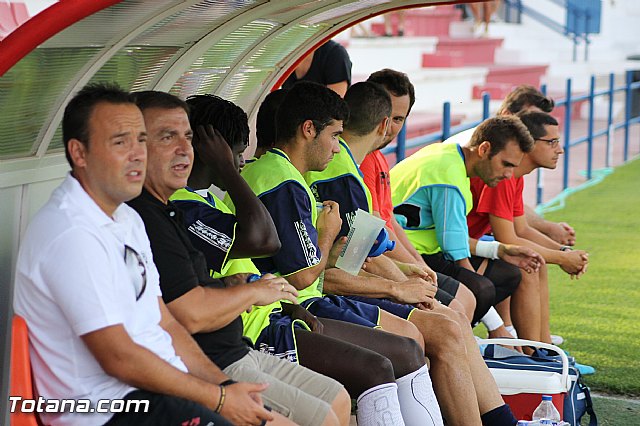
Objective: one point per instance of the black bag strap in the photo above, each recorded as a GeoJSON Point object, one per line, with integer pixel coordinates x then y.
{"type": "Point", "coordinates": [593, 420]}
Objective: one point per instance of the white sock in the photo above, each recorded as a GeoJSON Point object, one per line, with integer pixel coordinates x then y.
{"type": "Point", "coordinates": [379, 405]}
{"type": "Point", "coordinates": [417, 400]}
{"type": "Point", "coordinates": [492, 319]}
{"type": "Point", "coordinates": [512, 330]}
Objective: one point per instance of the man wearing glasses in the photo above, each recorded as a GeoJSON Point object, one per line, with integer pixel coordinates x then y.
{"type": "Point", "coordinates": [528, 98]}
{"type": "Point", "coordinates": [88, 289]}
{"type": "Point", "coordinates": [501, 209]}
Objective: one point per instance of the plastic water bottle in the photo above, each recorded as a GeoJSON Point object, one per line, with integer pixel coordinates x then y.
{"type": "Point", "coordinates": [546, 412]}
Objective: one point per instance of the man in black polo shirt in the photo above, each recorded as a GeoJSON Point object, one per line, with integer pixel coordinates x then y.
{"type": "Point", "coordinates": [305, 396]}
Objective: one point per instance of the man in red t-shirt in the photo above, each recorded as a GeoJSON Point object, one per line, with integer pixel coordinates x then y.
{"type": "Point", "coordinates": [376, 176]}
{"type": "Point", "coordinates": [501, 210]}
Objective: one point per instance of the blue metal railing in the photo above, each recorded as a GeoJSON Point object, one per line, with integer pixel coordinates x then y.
{"type": "Point", "coordinates": [569, 100]}
{"type": "Point", "coordinates": [576, 28]}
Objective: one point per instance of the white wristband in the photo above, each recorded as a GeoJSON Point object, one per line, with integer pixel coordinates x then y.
{"type": "Point", "coordinates": [492, 319]}
{"type": "Point", "coordinates": [488, 249]}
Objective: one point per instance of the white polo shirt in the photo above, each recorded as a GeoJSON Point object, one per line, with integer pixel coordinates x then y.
{"type": "Point", "coordinates": [72, 279]}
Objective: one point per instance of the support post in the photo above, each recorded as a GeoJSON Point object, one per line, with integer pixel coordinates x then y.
{"type": "Point", "coordinates": [401, 142]}
{"type": "Point", "coordinates": [446, 121]}
{"type": "Point", "coordinates": [627, 113]}
{"type": "Point", "coordinates": [610, 127]}
{"type": "Point", "coordinates": [567, 135]}
{"type": "Point", "coordinates": [592, 90]}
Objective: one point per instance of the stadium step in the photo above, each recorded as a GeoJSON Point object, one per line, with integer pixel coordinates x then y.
{"type": "Point", "coordinates": [463, 51]}
{"type": "Point", "coordinates": [429, 21]}
{"type": "Point", "coordinates": [516, 74]}
{"type": "Point", "coordinates": [12, 15]}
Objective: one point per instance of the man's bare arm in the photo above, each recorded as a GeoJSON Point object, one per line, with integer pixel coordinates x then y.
{"type": "Point", "coordinates": [328, 226]}
{"type": "Point", "coordinates": [120, 357]}
{"type": "Point", "coordinates": [412, 290]}
{"type": "Point", "coordinates": [205, 309]}
{"type": "Point", "coordinates": [560, 232]}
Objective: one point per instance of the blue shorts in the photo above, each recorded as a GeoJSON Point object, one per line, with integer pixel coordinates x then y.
{"type": "Point", "coordinates": [343, 309]}
{"type": "Point", "coordinates": [278, 338]}
{"type": "Point", "coordinates": [398, 309]}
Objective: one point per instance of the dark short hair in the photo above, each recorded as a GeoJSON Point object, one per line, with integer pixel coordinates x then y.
{"type": "Point", "coordinates": [308, 101]}
{"type": "Point", "coordinates": [499, 131]}
{"type": "Point", "coordinates": [396, 82]}
{"type": "Point", "coordinates": [75, 121]}
{"type": "Point", "coordinates": [156, 99]}
{"type": "Point", "coordinates": [225, 116]}
{"type": "Point", "coordinates": [535, 122]}
{"type": "Point", "coordinates": [523, 96]}
{"type": "Point", "coordinates": [369, 103]}
{"type": "Point", "coordinates": [266, 118]}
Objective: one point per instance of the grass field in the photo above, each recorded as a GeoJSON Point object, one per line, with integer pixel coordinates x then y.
{"type": "Point", "coordinates": [599, 315]}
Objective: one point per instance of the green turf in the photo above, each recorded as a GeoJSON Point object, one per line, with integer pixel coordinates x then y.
{"type": "Point", "coordinates": [599, 315]}
{"type": "Point", "coordinates": [615, 412]}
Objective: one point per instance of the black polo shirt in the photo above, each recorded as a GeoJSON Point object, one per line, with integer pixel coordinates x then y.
{"type": "Point", "coordinates": [182, 268]}
{"type": "Point", "coordinates": [330, 65]}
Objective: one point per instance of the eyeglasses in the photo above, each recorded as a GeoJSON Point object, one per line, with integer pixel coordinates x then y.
{"type": "Point", "coordinates": [136, 269]}
{"type": "Point", "coordinates": [553, 143]}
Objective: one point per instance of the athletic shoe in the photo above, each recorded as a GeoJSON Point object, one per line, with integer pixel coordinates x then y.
{"type": "Point", "coordinates": [585, 369]}
{"type": "Point", "coordinates": [557, 340]}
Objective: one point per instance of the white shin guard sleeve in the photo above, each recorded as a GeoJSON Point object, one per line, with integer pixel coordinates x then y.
{"type": "Point", "coordinates": [417, 400]}
{"type": "Point", "coordinates": [379, 405]}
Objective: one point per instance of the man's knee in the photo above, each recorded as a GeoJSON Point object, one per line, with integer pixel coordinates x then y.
{"type": "Point", "coordinates": [407, 356]}
{"type": "Point", "coordinates": [484, 292]}
{"type": "Point", "coordinates": [379, 370]}
{"type": "Point", "coordinates": [402, 327]}
{"type": "Point", "coordinates": [448, 340]}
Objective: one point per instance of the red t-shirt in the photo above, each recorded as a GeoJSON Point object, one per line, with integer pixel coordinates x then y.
{"type": "Point", "coordinates": [376, 176]}
{"type": "Point", "coordinates": [504, 201]}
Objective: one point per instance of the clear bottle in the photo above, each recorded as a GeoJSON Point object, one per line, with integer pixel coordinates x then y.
{"type": "Point", "coordinates": [546, 411]}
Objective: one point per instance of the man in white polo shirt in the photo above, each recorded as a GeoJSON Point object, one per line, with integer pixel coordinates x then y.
{"type": "Point", "coordinates": [88, 289]}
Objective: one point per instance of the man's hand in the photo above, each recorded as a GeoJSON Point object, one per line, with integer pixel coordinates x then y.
{"type": "Point", "coordinates": [574, 262]}
{"type": "Point", "coordinates": [213, 149]}
{"type": "Point", "coordinates": [235, 279]}
{"type": "Point", "coordinates": [297, 312]}
{"type": "Point", "coordinates": [414, 290]}
{"type": "Point", "coordinates": [335, 251]}
{"type": "Point", "coordinates": [270, 288]}
{"type": "Point", "coordinates": [561, 233]}
{"type": "Point", "coordinates": [243, 404]}
{"type": "Point", "coordinates": [426, 306]}
{"type": "Point", "coordinates": [522, 257]}
{"type": "Point", "coordinates": [329, 221]}
{"type": "Point", "coordinates": [423, 271]}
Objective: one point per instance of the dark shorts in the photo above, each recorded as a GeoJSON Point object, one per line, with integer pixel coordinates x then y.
{"type": "Point", "coordinates": [278, 338]}
{"type": "Point", "coordinates": [343, 309]}
{"type": "Point", "coordinates": [166, 410]}
{"type": "Point", "coordinates": [398, 309]}
{"type": "Point", "coordinates": [447, 289]}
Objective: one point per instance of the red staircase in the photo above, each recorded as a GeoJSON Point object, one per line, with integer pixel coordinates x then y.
{"type": "Point", "coordinates": [455, 52]}
{"type": "Point", "coordinates": [470, 51]}
{"type": "Point", "coordinates": [430, 21]}
{"type": "Point", "coordinates": [12, 15]}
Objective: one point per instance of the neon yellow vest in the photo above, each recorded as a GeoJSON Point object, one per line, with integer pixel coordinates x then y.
{"type": "Point", "coordinates": [256, 320]}
{"type": "Point", "coordinates": [267, 173]}
{"type": "Point", "coordinates": [436, 164]}
{"type": "Point", "coordinates": [342, 164]}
